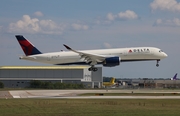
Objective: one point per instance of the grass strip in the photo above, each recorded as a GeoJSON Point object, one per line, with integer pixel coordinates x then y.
{"type": "Point", "coordinates": [89, 107]}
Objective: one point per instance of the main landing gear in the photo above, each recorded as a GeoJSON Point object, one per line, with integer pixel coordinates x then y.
{"type": "Point", "coordinates": [92, 68]}
{"type": "Point", "coordinates": [157, 63]}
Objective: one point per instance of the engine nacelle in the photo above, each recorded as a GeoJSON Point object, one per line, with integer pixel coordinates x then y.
{"type": "Point", "coordinates": [112, 61]}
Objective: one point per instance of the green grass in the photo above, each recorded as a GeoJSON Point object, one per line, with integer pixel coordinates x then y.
{"type": "Point", "coordinates": [89, 107]}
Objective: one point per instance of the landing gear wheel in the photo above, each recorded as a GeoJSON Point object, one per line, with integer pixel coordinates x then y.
{"type": "Point", "coordinates": [92, 69]}
{"type": "Point", "coordinates": [157, 63]}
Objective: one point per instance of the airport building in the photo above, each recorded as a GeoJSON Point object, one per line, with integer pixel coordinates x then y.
{"type": "Point", "coordinates": [21, 76]}
{"type": "Point", "coordinates": [160, 83]}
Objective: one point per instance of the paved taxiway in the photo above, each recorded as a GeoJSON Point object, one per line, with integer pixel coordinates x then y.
{"type": "Point", "coordinates": [5, 94]}
{"type": "Point", "coordinates": [72, 94]}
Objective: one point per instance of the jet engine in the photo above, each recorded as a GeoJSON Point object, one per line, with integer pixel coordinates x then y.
{"type": "Point", "coordinates": [112, 61]}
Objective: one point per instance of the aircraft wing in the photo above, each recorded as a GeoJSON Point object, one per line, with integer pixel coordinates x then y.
{"type": "Point", "coordinates": [89, 57]}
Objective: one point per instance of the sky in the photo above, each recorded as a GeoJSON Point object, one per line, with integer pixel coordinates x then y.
{"type": "Point", "coordinates": [94, 24]}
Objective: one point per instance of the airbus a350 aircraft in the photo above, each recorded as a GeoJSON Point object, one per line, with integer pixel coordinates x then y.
{"type": "Point", "coordinates": [106, 57]}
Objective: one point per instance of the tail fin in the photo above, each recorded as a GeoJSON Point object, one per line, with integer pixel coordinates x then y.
{"type": "Point", "coordinates": [175, 77]}
{"type": "Point", "coordinates": [27, 47]}
{"type": "Point", "coordinates": [112, 80]}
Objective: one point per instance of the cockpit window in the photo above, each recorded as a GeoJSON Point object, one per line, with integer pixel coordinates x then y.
{"type": "Point", "coordinates": [160, 51]}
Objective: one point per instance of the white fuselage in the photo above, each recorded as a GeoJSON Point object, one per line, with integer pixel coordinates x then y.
{"type": "Point", "coordinates": [125, 54]}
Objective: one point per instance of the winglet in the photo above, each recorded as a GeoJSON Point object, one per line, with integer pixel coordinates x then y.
{"type": "Point", "coordinates": [67, 47]}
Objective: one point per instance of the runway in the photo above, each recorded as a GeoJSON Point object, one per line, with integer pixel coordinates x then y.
{"type": "Point", "coordinates": [109, 97]}
{"type": "Point", "coordinates": [73, 94]}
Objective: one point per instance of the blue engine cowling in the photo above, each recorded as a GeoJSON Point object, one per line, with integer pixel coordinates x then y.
{"type": "Point", "coordinates": [112, 61]}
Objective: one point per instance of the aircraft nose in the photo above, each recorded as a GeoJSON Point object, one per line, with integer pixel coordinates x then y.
{"type": "Point", "coordinates": [165, 55]}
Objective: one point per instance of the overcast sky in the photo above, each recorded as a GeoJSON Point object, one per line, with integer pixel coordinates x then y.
{"type": "Point", "coordinates": [94, 24]}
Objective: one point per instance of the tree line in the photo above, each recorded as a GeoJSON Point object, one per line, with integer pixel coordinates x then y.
{"type": "Point", "coordinates": [1, 85]}
{"type": "Point", "coordinates": [57, 85]}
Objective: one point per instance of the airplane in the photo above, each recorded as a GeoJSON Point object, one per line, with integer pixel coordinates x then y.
{"type": "Point", "coordinates": [175, 77]}
{"type": "Point", "coordinates": [106, 57]}
{"type": "Point", "coordinates": [111, 83]}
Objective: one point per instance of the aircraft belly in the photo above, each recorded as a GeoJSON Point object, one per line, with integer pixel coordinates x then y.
{"type": "Point", "coordinates": [65, 60]}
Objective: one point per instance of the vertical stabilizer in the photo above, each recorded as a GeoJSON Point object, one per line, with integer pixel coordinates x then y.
{"type": "Point", "coordinates": [27, 46]}
{"type": "Point", "coordinates": [112, 80]}
{"type": "Point", "coordinates": [175, 77]}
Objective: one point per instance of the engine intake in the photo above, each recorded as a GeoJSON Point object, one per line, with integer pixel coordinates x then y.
{"type": "Point", "coordinates": [112, 61]}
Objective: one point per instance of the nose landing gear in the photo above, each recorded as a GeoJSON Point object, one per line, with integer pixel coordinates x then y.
{"type": "Point", "coordinates": [157, 64]}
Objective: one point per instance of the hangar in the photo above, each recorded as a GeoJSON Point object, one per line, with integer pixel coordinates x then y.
{"type": "Point", "coordinates": [20, 76]}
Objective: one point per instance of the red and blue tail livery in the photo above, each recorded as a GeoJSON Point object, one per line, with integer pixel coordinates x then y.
{"type": "Point", "coordinates": [27, 47]}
